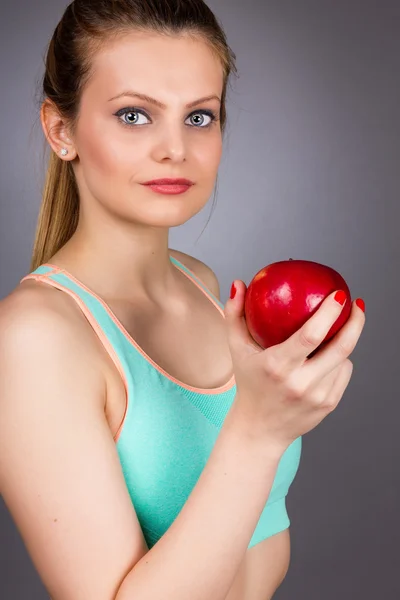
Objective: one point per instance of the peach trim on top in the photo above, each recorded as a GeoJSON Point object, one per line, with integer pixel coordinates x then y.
{"type": "Point", "coordinates": [209, 391]}
{"type": "Point", "coordinates": [96, 327]}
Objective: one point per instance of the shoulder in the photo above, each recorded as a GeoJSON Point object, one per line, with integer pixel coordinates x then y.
{"type": "Point", "coordinates": [30, 321]}
{"type": "Point", "coordinates": [31, 304]}
{"type": "Point", "coordinates": [46, 344]}
{"type": "Point", "coordinates": [36, 320]}
{"type": "Point", "coordinates": [200, 269]}
{"type": "Point", "coordinates": [27, 307]}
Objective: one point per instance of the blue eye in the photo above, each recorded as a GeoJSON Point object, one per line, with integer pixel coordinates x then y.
{"type": "Point", "coordinates": [202, 114]}
{"type": "Point", "coordinates": [131, 117]}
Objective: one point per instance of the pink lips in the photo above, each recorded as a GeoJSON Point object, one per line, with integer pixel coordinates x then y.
{"type": "Point", "coordinates": [164, 181]}
{"type": "Point", "coordinates": [169, 186]}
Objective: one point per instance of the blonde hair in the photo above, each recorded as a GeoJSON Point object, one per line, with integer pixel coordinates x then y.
{"type": "Point", "coordinates": [83, 28]}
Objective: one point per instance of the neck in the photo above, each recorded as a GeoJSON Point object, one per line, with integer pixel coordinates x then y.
{"type": "Point", "coordinates": [129, 265]}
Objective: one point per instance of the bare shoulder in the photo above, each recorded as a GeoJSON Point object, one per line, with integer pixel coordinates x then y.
{"type": "Point", "coordinates": [31, 295]}
{"type": "Point", "coordinates": [29, 305]}
{"type": "Point", "coordinates": [35, 316]}
{"type": "Point", "coordinates": [33, 304]}
{"type": "Point", "coordinates": [200, 269]}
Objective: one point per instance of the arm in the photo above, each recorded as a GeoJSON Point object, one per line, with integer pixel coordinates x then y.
{"type": "Point", "coordinates": [60, 475]}
{"type": "Point", "coordinates": [199, 555]}
{"type": "Point", "coordinates": [62, 482]}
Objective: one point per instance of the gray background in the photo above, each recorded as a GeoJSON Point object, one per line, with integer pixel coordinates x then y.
{"type": "Point", "coordinates": [310, 170]}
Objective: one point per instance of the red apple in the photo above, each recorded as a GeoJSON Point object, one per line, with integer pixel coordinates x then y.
{"type": "Point", "coordinates": [282, 296]}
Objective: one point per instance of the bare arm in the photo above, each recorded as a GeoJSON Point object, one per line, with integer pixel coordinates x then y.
{"type": "Point", "coordinates": [61, 479]}
{"type": "Point", "coordinates": [60, 475]}
{"type": "Point", "coordinates": [199, 555]}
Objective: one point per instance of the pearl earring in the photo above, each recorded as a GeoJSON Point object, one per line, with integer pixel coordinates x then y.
{"type": "Point", "coordinates": [64, 152]}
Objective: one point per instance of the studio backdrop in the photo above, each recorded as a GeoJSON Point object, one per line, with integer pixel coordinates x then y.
{"type": "Point", "coordinates": [310, 170]}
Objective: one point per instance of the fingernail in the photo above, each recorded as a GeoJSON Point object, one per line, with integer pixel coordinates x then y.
{"type": "Point", "coordinates": [340, 297]}
{"type": "Point", "coordinates": [361, 304]}
{"type": "Point", "coordinates": [233, 291]}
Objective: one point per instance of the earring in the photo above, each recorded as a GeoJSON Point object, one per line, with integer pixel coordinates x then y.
{"type": "Point", "coordinates": [64, 152]}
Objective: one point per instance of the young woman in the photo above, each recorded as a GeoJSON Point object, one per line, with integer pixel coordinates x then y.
{"type": "Point", "coordinates": [147, 443]}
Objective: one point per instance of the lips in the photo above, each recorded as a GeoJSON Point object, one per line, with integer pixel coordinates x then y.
{"type": "Point", "coordinates": [169, 182]}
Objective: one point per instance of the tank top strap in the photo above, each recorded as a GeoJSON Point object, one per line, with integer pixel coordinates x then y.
{"type": "Point", "coordinates": [197, 281]}
{"type": "Point", "coordinates": [60, 279]}
{"type": "Point", "coordinates": [126, 357]}
{"type": "Point", "coordinates": [94, 308]}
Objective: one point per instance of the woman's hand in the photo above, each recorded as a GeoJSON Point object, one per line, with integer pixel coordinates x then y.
{"type": "Point", "coordinates": [281, 393]}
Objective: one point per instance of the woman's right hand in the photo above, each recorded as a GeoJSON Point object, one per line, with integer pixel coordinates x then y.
{"type": "Point", "coordinates": [282, 394]}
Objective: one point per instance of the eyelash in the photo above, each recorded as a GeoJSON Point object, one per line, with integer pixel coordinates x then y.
{"type": "Point", "coordinates": [128, 110]}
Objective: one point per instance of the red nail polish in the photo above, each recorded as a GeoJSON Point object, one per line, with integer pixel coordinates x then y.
{"type": "Point", "coordinates": [340, 297]}
{"type": "Point", "coordinates": [361, 304]}
{"type": "Point", "coordinates": [233, 291]}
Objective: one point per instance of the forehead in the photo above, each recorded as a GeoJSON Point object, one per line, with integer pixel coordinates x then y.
{"type": "Point", "coordinates": [169, 68]}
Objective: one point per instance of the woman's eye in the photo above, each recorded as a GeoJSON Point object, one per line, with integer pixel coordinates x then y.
{"type": "Point", "coordinates": [199, 118]}
{"type": "Point", "coordinates": [131, 117]}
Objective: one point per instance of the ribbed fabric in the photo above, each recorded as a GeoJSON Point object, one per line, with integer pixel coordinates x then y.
{"type": "Point", "coordinates": [169, 428]}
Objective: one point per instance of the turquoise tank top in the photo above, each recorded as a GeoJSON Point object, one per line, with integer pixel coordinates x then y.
{"type": "Point", "coordinates": [169, 428]}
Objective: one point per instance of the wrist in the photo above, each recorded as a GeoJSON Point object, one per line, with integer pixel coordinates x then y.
{"type": "Point", "coordinates": [253, 436]}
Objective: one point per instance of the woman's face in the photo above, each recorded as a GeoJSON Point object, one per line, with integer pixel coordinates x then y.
{"type": "Point", "coordinates": [123, 141]}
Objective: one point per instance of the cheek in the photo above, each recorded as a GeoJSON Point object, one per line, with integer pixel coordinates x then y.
{"type": "Point", "coordinates": [105, 152]}
{"type": "Point", "coordinates": [98, 158]}
{"type": "Point", "coordinates": [209, 154]}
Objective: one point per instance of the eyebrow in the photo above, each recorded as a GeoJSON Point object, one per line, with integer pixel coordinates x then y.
{"type": "Point", "coordinates": [160, 104]}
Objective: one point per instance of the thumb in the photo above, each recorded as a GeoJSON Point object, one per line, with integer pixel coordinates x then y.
{"type": "Point", "coordinates": [239, 338]}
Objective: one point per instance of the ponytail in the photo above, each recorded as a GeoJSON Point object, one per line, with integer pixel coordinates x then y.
{"type": "Point", "coordinates": [59, 211]}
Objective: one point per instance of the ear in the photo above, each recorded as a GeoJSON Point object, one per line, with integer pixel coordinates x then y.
{"type": "Point", "coordinates": [56, 130]}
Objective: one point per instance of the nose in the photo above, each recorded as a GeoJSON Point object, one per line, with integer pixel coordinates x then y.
{"type": "Point", "coordinates": [170, 144]}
